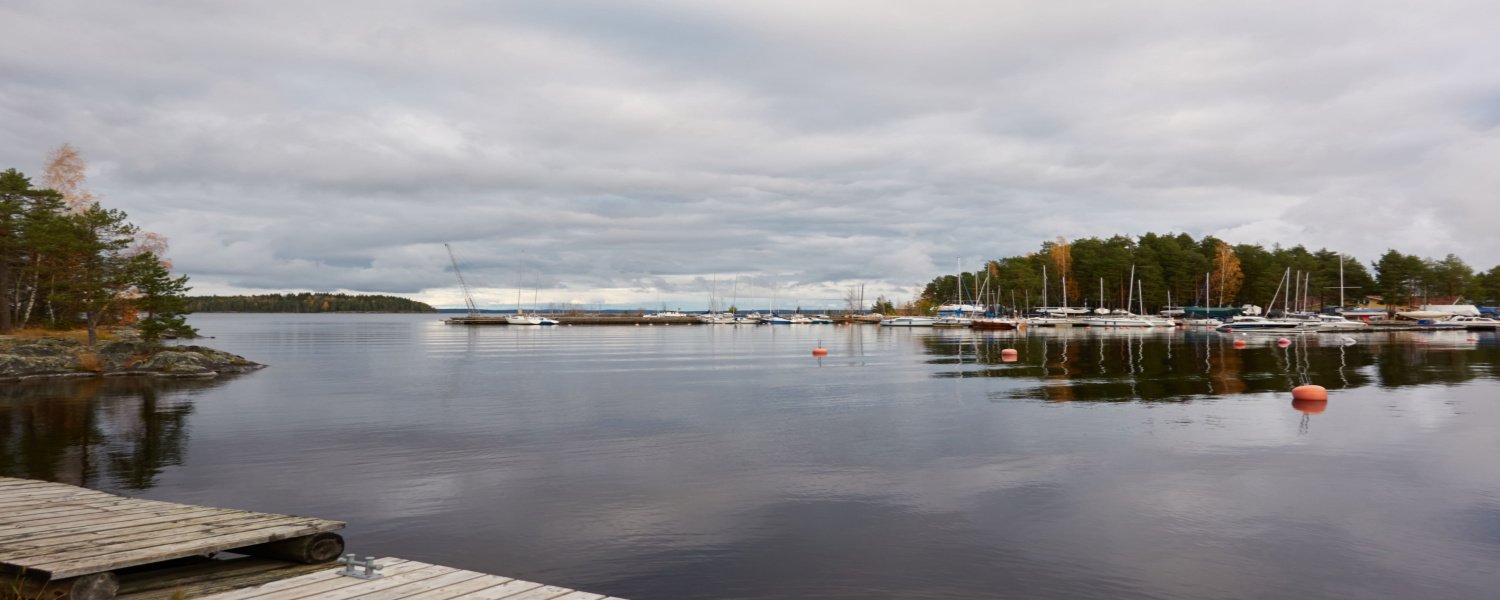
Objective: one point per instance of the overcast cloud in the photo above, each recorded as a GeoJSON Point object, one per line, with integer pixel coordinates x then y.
{"type": "Point", "coordinates": [608, 149]}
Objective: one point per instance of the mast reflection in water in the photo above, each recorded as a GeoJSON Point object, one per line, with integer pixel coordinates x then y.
{"type": "Point", "coordinates": [1180, 366]}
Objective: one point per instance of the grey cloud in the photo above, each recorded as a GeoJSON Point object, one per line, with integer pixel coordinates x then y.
{"type": "Point", "coordinates": [628, 148]}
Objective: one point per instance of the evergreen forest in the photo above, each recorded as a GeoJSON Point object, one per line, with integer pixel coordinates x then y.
{"type": "Point", "coordinates": [307, 303]}
{"type": "Point", "coordinates": [67, 262]}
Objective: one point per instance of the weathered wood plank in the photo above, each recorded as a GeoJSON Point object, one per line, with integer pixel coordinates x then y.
{"type": "Point", "coordinates": [43, 496]}
{"type": "Point", "coordinates": [363, 587]}
{"type": "Point", "coordinates": [25, 488]}
{"type": "Point", "coordinates": [546, 592]}
{"type": "Point", "coordinates": [114, 524]}
{"type": "Point", "coordinates": [69, 502]}
{"type": "Point", "coordinates": [40, 510]}
{"type": "Point", "coordinates": [84, 545]}
{"type": "Point", "coordinates": [458, 590]}
{"type": "Point", "coordinates": [454, 576]}
{"type": "Point", "coordinates": [192, 547]}
{"type": "Point", "coordinates": [580, 596]}
{"type": "Point", "coordinates": [314, 583]}
{"type": "Point", "coordinates": [76, 512]}
{"type": "Point", "coordinates": [209, 577]}
{"type": "Point", "coordinates": [159, 528]}
{"type": "Point", "coordinates": [504, 590]}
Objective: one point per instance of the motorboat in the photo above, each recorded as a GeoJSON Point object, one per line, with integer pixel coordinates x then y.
{"type": "Point", "coordinates": [1441, 324]}
{"type": "Point", "coordinates": [775, 320]}
{"type": "Point", "coordinates": [953, 322]}
{"type": "Point", "coordinates": [1328, 323]}
{"type": "Point", "coordinates": [1053, 322]}
{"type": "Point", "coordinates": [997, 323]}
{"type": "Point", "coordinates": [1125, 320]}
{"type": "Point", "coordinates": [908, 322]}
{"type": "Point", "coordinates": [1476, 323]}
{"type": "Point", "coordinates": [1247, 323]}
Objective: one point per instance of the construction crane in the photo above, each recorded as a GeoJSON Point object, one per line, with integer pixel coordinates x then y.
{"type": "Point", "coordinates": [468, 299]}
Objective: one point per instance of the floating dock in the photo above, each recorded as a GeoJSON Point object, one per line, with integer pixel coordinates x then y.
{"type": "Point", "coordinates": [59, 541]}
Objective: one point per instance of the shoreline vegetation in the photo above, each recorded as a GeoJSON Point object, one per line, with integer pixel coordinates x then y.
{"type": "Point", "coordinates": [34, 354]}
{"type": "Point", "coordinates": [1172, 269]}
{"type": "Point", "coordinates": [307, 303]}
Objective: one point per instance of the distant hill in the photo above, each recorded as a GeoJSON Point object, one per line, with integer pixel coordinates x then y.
{"type": "Point", "coordinates": [307, 303]}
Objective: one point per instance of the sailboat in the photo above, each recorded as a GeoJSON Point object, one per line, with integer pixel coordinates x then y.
{"type": "Point", "coordinates": [521, 318]}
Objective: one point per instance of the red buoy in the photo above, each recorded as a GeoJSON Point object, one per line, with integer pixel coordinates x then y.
{"type": "Point", "coordinates": [820, 352]}
{"type": "Point", "coordinates": [1239, 343]}
{"type": "Point", "coordinates": [1473, 339]}
{"type": "Point", "coordinates": [1310, 392]}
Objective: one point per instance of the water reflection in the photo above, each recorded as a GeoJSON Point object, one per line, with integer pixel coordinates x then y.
{"type": "Point", "coordinates": [1176, 366]}
{"type": "Point", "coordinates": [100, 433]}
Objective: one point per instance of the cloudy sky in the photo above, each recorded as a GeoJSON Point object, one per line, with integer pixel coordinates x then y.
{"type": "Point", "coordinates": [605, 152]}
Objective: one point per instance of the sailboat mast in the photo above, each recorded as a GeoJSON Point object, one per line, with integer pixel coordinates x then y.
{"type": "Point", "coordinates": [469, 299]}
{"type": "Point", "coordinates": [1130, 296]}
{"type": "Point", "coordinates": [1341, 282]}
{"type": "Point", "coordinates": [1044, 286]}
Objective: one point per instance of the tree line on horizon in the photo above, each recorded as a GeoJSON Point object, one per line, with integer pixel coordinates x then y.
{"type": "Point", "coordinates": [1172, 270]}
{"type": "Point", "coordinates": [66, 261]}
{"type": "Point", "coordinates": [307, 302]}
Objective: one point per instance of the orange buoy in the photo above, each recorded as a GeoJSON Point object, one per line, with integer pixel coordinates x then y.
{"type": "Point", "coordinates": [1310, 407]}
{"type": "Point", "coordinates": [1421, 341]}
{"type": "Point", "coordinates": [1473, 339]}
{"type": "Point", "coordinates": [1310, 392]}
{"type": "Point", "coordinates": [820, 352]}
{"type": "Point", "coordinates": [637, 324]}
{"type": "Point", "coordinates": [1239, 343]}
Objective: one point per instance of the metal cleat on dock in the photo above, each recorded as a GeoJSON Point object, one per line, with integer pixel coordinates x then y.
{"type": "Point", "coordinates": [351, 564]}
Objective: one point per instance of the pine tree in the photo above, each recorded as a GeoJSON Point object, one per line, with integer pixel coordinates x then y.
{"type": "Point", "coordinates": [160, 296]}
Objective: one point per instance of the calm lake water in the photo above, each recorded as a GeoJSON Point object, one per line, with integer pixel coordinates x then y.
{"type": "Point", "coordinates": [726, 462]}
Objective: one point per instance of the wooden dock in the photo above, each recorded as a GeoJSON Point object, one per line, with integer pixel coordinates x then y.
{"type": "Point", "coordinates": [586, 320]}
{"type": "Point", "coordinates": [59, 541]}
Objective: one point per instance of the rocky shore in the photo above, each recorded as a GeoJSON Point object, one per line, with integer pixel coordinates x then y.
{"type": "Point", "coordinates": [35, 358]}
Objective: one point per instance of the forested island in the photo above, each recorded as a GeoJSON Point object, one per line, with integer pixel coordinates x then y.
{"type": "Point", "coordinates": [307, 303]}
{"type": "Point", "coordinates": [1175, 270]}
{"type": "Point", "coordinates": [85, 293]}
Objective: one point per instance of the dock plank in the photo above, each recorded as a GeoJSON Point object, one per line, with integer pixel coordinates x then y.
{"type": "Point", "coordinates": [452, 576]}
{"type": "Point", "coordinates": [59, 530]}
{"type": "Point", "coordinates": [147, 534]}
{"type": "Point", "coordinates": [179, 549]}
{"type": "Point", "coordinates": [504, 590]}
{"type": "Point", "coordinates": [363, 587]}
{"type": "Point", "coordinates": [458, 590]}
{"type": "Point", "coordinates": [313, 583]}
{"type": "Point", "coordinates": [546, 592]}
{"type": "Point", "coordinates": [115, 524]}
{"type": "Point", "coordinates": [74, 547]}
